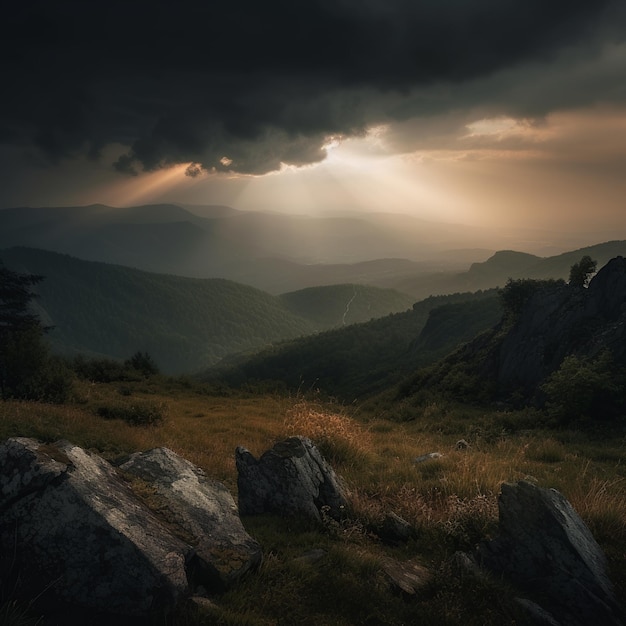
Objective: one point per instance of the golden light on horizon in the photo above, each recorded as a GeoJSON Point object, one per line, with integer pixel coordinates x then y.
{"type": "Point", "coordinates": [148, 187]}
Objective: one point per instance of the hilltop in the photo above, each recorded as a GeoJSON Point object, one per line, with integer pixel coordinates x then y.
{"type": "Point", "coordinates": [504, 264]}
{"type": "Point", "coordinates": [557, 343]}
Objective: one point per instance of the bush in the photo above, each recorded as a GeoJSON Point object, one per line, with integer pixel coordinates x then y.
{"type": "Point", "coordinates": [27, 371]}
{"type": "Point", "coordinates": [516, 293]}
{"type": "Point", "coordinates": [30, 372]}
{"type": "Point", "coordinates": [102, 370]}
{"type": "Point", "coordinates": [580, 273]}
{"type": "Point", "coordinates": [584, 388]}
{"type": "Point", "coordinates": [135, 414]}
{"type": "Point", "coordinates": [142, 362]}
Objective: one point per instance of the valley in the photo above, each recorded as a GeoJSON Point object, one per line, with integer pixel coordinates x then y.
{"type": "Point", "coordinates": [420, 381]}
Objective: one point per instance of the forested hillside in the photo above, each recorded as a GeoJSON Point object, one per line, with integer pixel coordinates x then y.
{"type": "Point", "coordinates": [364, 358]}
{"type": "Point", "coordinates": [559, 345]}
{"type": "Point", "coordinates": [340, 305]}
{"type": "Point", "coordinates": [184, 323]}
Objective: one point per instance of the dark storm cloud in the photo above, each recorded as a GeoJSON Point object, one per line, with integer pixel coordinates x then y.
{"type": "Point", "coordinates": [248, 85]}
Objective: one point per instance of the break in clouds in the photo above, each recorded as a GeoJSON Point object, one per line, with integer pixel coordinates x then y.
{"type": "Point", "coordinates": [249, 86]}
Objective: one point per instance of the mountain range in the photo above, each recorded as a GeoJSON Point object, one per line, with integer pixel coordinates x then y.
{"type": "Point", "coordinates": [122, 280]}
{"type": "Point", "coordinates": [106, 310]}
{"type": "Point", "coordinates": [278, 252]}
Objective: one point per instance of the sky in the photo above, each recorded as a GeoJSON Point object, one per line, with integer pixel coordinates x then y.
{"type": "Point", "coordinates": [502, 113]}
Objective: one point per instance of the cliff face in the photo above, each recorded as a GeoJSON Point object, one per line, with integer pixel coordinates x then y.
{"type": "Point", "coordinates": [515, 357]}
{"type": "Point", "coordinates": [563, 321]}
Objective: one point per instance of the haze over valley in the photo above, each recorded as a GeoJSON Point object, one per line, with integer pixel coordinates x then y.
{"type": "Point", "coordinates": [193, 290]}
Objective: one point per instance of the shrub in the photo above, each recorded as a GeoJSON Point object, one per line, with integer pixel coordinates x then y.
{"type": "Point", "coordinates": [580, 273]}
{"type": "Point", "coordinates": [101, 370]}
{"type": "Point", "coordinates": [142, 362]}
{"type": "Point", "coordinates": [516, 293]}
{"type": "Point", "coordinates": [27, 371]}
{"type": "Point", "coordinates": [584, 388]}
{"type": "Point", "coordinates": [30, 372]}
{"type": "Point", "coordinates": [135, 414]}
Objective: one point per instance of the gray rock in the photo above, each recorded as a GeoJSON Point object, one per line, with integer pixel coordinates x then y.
{"type": "Point", "coordinates": [203, 510]}
{"type": "Point", "coordinates": [545, 548]}
{"type": "Point", "coordinates": [394, 529]}
{"type": "Point", "coordinates": [534, 613]}
{"type": "Point", "coordinates": [431, 456]}
{"type": "Point", "coordinates": [562, 322]}
{"type": "Point", "coordinates": [463, 566]}
{"type": "Point", "coordinates": [81, 537]}
{"type": "Point", "coordinates": [514, 359]}
{"type": "Point", "coordinates": [291, 479]}
{"type": "Point", "coordinates": [408, 577]}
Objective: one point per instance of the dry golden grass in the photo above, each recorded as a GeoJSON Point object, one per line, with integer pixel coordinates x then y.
{"type": "Point", "coordinates": [451, 500]}
{"type": "Point", "coordinates": [340, 438]}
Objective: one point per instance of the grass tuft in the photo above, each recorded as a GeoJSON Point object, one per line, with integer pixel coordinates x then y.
{"type": "Point", "coordinates": [340, 439]}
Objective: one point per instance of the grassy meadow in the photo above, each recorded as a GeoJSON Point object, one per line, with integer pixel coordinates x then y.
{"type": "Point", "coordinates": [451, 501]}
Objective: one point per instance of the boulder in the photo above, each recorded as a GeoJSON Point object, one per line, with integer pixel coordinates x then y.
{"type": "Point", "coordinates": [292, 478]}
{"type": "Point", "coordinates": [202, 510]}
{"type": "Point", "coordinates": [545, 548]}
{"type": "Point", "coordinates": [394, 530]}
{"type": "Point", "coordinates": [79, 536]}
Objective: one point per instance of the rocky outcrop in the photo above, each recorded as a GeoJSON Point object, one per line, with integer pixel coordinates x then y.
{"type": "Point", "coordinates": [83, 541]}
{"type": "Point", "coordinates": [393, 530]}
{"type": "Point", "coordinates": [292, 478]}
{"type": "Point", "coordinates": [562, 321]}
{"type": "Point", "coordinates": [545, 548]}
{"type": "Point", "coordinates": [202, 510]}
{"type": "Point", "coordinates": [81, 538]}
{"type": "Point", "coordinates": [511, 361]}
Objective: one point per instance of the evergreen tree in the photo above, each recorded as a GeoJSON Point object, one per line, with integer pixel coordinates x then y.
{"type": "Point", "coordinates": [15, 297]}
{"type": "Point", "coordinates": [26, 369]}
{"type": "Point", "coordinates": [580, 273]}
{"type": "Point", "coordinates": [144, 363]}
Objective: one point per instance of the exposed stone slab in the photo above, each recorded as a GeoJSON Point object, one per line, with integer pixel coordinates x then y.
{"type": "Point", "coordinates": [408, 577]}
{"type": "Point", "coordinates": [292, 478]}
{"type": "Point", "coordinates": [203, 510]}
{"type": "Point", "coordinates": [545, 548]}
{"type": "Point", "coordinates": [81, 536]}
{"type": "Point", "coordinates": [394, 529]}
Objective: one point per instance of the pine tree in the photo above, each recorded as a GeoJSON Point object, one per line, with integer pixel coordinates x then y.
{"type": "Point", "coordinates": [26, 369]}
{"type": "Point", "coordinates": [580, 273]}
{"type": "Point", "coordinates": [15, 297]}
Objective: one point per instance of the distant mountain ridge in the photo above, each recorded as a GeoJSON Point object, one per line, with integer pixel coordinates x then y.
{"type": "Point", "coordinates": [278, 252]}
{"type": "Point", "coordinates": [186, 324]}
{"type": "Point", "coordinates": [498, 268]}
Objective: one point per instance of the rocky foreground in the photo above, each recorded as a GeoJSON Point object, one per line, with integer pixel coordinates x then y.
{"type": "Point", "coordinates": [127, 542]}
